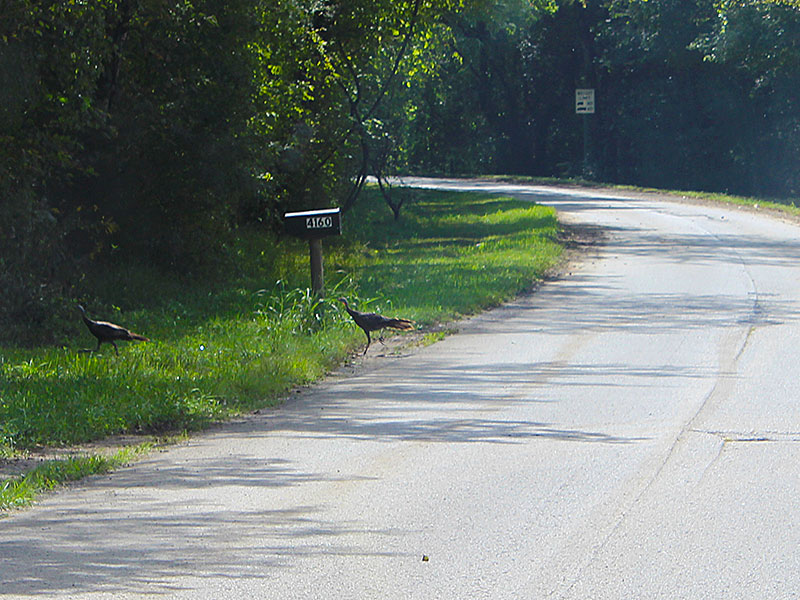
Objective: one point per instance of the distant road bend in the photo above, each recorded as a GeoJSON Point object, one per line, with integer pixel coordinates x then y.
{"type": "Point", "coordinates": [631, 430]}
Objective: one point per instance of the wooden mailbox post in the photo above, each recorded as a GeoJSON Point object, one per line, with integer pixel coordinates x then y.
{"type": "Point", "coordinates": [313, 225]}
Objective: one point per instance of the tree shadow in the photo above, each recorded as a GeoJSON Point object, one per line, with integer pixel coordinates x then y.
{"type": "Point", "coordinates": [142, 546]}
{"type": "Point", "coordinates": [148, 528]}
{"type": "Point", "coordinates": [151, 523]}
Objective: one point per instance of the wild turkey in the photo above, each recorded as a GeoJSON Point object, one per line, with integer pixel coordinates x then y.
{"type": "Point", "coordinates": [373, 321]}
{"type": "Point", "coordinates": [109, 332]}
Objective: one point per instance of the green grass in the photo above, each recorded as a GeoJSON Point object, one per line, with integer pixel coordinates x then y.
{"type": "Point", "coordinates": [17, 492]}
{"type": "Point", "coordinates": [787, 206]}
{"type": "Point", "coordinates": [239, 334]}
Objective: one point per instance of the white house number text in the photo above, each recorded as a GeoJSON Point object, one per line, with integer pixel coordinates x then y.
{"type": "Point", "coordinates": [319, 222]}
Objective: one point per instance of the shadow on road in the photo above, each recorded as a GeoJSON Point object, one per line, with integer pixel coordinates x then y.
{"type": "Point", "coordinates": [165, 520]}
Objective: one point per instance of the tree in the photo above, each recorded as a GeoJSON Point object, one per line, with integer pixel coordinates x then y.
{"type": "Point", "coordinates": [49, 55]}
{"type": "Point", "coordinates": [695, 95]}
{"type": "Point", "coordinates": [126, 129]}
{"type": "Point", "coordinates": [351, 56]}
{"type": "Point", "coordinates": [501, 91]}
{"type": "Point", "coordinates": [758, 43]}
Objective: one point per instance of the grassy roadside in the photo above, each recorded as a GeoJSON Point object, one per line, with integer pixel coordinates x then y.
{"type": "Point", "coordinates": [786, 206]}
{"type": "Point", "coordinates": [236, 338]}
{"type": "Point", "coordinates": [21, 490]}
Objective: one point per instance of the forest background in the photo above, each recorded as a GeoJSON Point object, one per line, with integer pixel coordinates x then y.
{"type": "Point", "coordinates": [155, 130]}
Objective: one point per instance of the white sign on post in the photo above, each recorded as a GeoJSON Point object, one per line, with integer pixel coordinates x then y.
{"type": "Point", "coordinates": [584, 101]}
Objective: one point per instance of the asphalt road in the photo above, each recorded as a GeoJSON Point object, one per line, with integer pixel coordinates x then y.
{"type": "Point", "coordinates": [631, 430]}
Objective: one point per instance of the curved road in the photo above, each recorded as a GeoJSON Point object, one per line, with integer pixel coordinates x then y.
{"type": "Point", "coordinates": [629, 431]}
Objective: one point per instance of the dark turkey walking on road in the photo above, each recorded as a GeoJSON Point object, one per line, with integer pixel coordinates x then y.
{"type": "Point", "coordinates": [373, 322]}
{"type": "Point", "coordinates": [109, 332]}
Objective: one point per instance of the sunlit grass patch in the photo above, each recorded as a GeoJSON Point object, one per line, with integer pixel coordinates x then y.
{"type": "Point", "coordinates": [20, 491]}
{"type": "Point", "coordinates": [240, 337]}
{"type": "Point", "coordinates": [454, 254]}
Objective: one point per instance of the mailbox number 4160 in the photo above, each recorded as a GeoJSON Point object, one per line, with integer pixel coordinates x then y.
{"type": "Point", "coordinates": [319, 222]}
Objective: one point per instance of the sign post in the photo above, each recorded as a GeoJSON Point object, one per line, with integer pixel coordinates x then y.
{"type": "Point", "coordinates": [313, 225]}
{"type": "Point", "coordinates": [584, 105]}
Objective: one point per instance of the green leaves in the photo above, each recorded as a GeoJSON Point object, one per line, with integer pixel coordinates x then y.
{"type": "Point", "coordinates": [181, 120]}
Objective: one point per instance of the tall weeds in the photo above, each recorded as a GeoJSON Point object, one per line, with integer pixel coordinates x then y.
{"type": "Point", "coordinates": [218, 351]}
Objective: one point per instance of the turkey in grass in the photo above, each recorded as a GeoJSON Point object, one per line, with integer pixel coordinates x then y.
{"type": "Point", "coordinates": [109, 332]}
{"type": "Point", "coordinates": [374, 322]}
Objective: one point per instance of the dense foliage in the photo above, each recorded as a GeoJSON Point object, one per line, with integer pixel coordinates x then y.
{"type": "Point", "coordinates": [148, 130]}
{"type": "Point", "coordinates": [693, 95]}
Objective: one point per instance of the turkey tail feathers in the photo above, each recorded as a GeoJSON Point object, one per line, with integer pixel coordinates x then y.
{"type": "Point", "coordinates": [400, 324]}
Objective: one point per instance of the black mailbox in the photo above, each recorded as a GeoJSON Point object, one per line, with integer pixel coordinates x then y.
{"type": "Point", "coordinates": [314, 224]}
